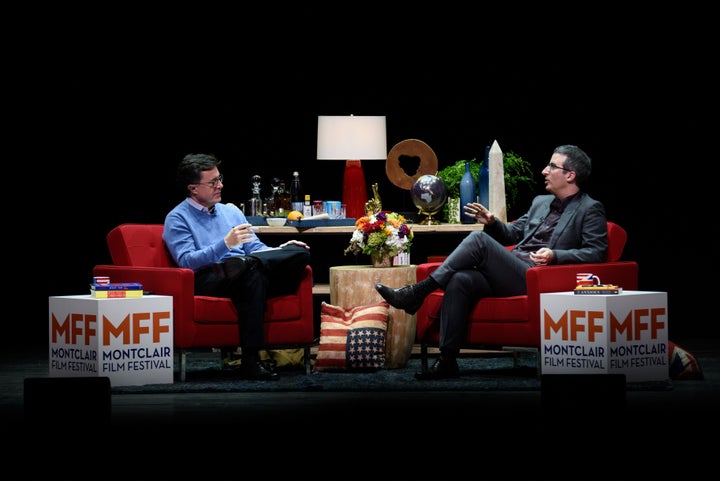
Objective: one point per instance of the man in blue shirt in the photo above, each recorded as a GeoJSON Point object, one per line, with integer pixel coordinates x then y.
{"type": "Point", "coordinates": [217, 242]}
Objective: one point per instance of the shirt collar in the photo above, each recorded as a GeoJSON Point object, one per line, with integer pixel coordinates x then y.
{"type": "Point", "coordinates": [560, 204]}
{"type": "Point", "coordinates": [200, 207]}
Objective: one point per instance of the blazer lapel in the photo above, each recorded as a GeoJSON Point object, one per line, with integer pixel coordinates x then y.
{"type": "Point", "coordinates": [564, 220]}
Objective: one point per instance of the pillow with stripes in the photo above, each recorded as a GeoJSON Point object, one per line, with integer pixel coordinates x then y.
{"type": "Point", "coordinates": [352, 339]}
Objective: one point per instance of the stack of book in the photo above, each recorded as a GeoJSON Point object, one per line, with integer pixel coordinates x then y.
{"type": "Point", "coordinates": [603, 289]}
{"type": "Point", "coordinates": [116, 290]}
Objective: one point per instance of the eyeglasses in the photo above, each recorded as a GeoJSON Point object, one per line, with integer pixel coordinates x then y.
{"type": "Point", "coordinates": [553, 167]}
{"type": "Point", "coordinates": [213, 183]}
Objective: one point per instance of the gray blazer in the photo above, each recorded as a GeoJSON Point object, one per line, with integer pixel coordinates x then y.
{"type": "Point", "coordinates": [580, 235]}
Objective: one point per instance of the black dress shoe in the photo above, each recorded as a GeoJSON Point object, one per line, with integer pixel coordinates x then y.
{"type": "Point", "coordinates": [234, 266]}
{"type": "Point", "coordinates": [442, 368]}
{"type": "Point", "coordinates": [404, 298]}
{"type": "Point", "coordinates": [258, 371]}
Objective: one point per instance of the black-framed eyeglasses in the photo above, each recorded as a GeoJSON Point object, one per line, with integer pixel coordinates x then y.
{"type": "Point", "coordinates": [553, 167]}
{"type": "Point", "coordinates": [213, 183]}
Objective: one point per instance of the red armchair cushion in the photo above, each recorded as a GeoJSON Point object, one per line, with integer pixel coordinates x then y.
{"type": "Point", "coordinates": [213, 310]}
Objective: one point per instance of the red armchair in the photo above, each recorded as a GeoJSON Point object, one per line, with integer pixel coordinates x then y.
{"type": "Point", "coordinates": [498, 322]}
{"type": "Point", "coordinates": [139, 255]}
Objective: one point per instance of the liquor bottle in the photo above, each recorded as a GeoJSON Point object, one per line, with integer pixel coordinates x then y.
{"type": "Point", "coordinates": [484, 180]}
{"type": "Point", "coordinates": [255, 201]}
{"type": "Point", "coordinates": [467, 193]}
{"type": "Point", "coordinates": [297, 195]}
{"type": "Point", "coordinates": [307, 209]}
{"type": "Point", "coordinates": [270, 200]}
{"type": "Point", "coordinates": [282, 200]}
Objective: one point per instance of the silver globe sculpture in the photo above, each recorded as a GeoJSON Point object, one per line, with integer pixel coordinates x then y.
{"type": "Point", "coordinates": [429, 195]}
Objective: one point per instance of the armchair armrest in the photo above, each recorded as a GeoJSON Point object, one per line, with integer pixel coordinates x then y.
{"type": "Point", "coordinates": [425, 269]}
{"type": "Point", "coordinates": [561, 278]}
{"type": "Point", "coordinates": [177, 282]}
{"type": "Point", "coordinates": [558, 278]}
{"type": "Point", "coordinates": [167, 281]}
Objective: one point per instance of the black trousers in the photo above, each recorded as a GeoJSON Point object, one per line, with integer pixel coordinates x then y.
{"type": "Point", "coordinates": [478, 267]}
{"type": "Point", "coordinates": [272, 273]}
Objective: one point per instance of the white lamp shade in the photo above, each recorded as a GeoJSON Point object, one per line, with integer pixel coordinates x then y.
{"type": "Point", "coordinates": [351, 137]}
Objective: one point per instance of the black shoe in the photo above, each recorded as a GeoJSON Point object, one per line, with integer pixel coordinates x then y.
{"type": "Point", "coordinates": [257, 371]}
{"type": "Point", "coordinates": [404, 298]}
{"type": "Point", "coordinates": [234, 266]}
{"type": "Point", "coordinates": [442, 368]}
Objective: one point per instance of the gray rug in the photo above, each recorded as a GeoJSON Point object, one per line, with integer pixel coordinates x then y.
{"type": "Point", "coordinates": [477, 374]}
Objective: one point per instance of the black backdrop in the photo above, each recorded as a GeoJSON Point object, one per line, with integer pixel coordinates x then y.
{"type": "Point", "coordinates": [104, 119]}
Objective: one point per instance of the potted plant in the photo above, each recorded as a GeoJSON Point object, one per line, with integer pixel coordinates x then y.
{"type": "Point", "coordinates": [516, 169]}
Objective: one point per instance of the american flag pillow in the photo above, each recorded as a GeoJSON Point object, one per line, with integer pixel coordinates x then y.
{"type": "Point", "coordinates": [352, 338]}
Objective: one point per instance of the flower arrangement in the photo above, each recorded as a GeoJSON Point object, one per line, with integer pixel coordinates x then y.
{"type": "Point", "coordinates": [381, 234]}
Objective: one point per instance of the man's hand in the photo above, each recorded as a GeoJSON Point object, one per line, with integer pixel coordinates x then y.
{"type": "Point", "coordinates": [479, 213]}
{"type": "Point", "coordinates": [542, 257]}
{"type": "Point", "coordinates": [239, 235]}
{"type": "Point", "coordinates": [297, 243]}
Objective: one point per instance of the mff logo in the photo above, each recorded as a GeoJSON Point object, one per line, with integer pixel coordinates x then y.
{"type": "Point", "coordinates": [636, 323]}
{"type": "Point", "coordinates": [81, 329]}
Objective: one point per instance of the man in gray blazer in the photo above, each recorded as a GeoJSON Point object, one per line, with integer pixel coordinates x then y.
{"type": "Point", "coordinates": [563, 228]}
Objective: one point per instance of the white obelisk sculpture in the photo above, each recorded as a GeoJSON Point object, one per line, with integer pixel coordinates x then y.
{"type": "Point", "coordinates": [496, 183]}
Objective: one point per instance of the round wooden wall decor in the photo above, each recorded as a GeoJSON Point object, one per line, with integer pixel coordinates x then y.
{"type": "Point", "coordinates": [407, 156]}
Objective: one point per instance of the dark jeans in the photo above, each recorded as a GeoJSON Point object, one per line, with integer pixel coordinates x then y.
{"type": "Point", "coordinates": [271, 273]}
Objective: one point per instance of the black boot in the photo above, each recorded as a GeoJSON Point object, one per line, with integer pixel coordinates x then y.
{"type": "Point", "coordinates": [445, 367]}
{"type": "Point", "coordinates": [254, 369]}
{"type": "Point", "coordinates": [408, 298]}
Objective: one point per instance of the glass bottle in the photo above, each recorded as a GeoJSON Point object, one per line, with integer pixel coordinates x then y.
{"type": "Point", "coordinates": [282, 200]}
{"type": "Point", "coordinates": [271, 198]}
{"type": "Point", "coordinates": [467, 193]}
{"type": "Point", "coordinates": [255, 203]}
{"type": "Point", "coordinates": [297, 196]}
{"type": "Point", "coordinates": [307, 206]}
{"type": "Point", "coordinates": [484, 180]}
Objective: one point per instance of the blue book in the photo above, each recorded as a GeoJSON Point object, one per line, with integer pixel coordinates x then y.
{"type": "Point", "coordinates": [117, 286]}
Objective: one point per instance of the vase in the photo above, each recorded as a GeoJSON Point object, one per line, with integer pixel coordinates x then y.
{"type": "Point", "coordinates": [468, 193]}
{"type": "Point", "coordinates": [453, 210]}
{"type": "Point", "coordinates": [381, 259]}
{"type": "Point", "coordinates": [484, 180]}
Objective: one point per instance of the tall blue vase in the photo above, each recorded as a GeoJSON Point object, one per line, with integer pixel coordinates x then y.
{"type": "Point", "coordinates": [484, 180]}
{"type": "Point", "coordinates": [467, 193]}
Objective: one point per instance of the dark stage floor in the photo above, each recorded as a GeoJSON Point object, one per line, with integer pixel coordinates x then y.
{"type": "Point", "coordinates": [684, 401]}
{"type": "Point", "coordinates": [666, 424]}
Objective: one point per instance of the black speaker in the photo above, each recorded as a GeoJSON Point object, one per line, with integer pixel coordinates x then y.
{"type": "Point", "coordinates": [67, 402]}
{"type": "Point", "coordinates": [597, 393]}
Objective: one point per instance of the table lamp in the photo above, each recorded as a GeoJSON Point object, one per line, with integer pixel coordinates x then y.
{"type": "Point", "coordinates": [352, 138]}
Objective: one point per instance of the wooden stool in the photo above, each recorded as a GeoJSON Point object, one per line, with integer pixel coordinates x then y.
{"type": "Point", "coordinates": [352, 286]}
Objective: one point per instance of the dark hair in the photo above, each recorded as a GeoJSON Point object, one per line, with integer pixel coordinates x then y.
{"type": "Point", "coordinates": [577, 160]}
{"type": "Point", "coordinates": [192, 166]}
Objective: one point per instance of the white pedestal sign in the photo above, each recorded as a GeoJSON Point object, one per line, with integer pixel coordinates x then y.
{"type": "Point", "coordinates": [129, 340]}
{"type": "Point", "coordinates": [625, 333]}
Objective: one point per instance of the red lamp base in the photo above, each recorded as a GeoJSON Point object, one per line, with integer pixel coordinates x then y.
{"type": "Point", "coordinates": [354, 194]}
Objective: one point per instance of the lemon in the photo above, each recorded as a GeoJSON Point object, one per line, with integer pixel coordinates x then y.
{"type": "Point", "coordinates": [295, 215]}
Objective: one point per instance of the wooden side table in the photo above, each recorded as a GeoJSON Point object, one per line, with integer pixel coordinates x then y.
{"type": "Point", "coordinates": [352, 286]}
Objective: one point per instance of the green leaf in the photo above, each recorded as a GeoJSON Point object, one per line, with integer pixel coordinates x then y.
{"type": "Point", "coordinates": [517, 173]}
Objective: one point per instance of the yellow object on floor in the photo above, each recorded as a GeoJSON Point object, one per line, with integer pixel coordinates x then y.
{"type": "Point", "coordinates": [284, 357]}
